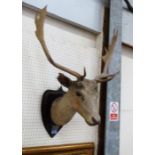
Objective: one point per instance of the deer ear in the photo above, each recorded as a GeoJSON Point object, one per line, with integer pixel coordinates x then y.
{"type": "Point", "coordinates": [64, 80]}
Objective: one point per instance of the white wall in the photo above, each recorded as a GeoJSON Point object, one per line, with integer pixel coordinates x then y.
{"type": "Point", "coordinates": [69, 46]}
{"type": "Point", "coordinates": [126, 120]}
{"type": "Point", "coordinates": [127, 25]}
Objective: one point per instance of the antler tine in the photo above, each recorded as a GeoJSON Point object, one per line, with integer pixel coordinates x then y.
{"type": "Point", "coordinates": [109, 52]}
{"type": "Point", "coordinates": [106, 59]}
{"type": "Point", "coordinates": [39, 22]}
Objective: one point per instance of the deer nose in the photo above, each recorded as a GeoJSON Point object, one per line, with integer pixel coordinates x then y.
{"type": "Point", "coordinates": [96, 121]}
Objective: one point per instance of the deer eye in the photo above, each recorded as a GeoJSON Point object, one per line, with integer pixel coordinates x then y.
{"type": "Point", "coordinates": [78, 94]}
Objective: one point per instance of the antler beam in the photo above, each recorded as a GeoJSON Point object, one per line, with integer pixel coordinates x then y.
{"type": "Point", "coordinates": [39, 22]}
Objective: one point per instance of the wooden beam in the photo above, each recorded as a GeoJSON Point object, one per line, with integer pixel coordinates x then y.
{"type": "Point", "coordinates": [68, 149]}
{"type": "Point", "coordinates": [101, 136]}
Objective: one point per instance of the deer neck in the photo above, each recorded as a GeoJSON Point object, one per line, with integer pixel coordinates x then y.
{"type": "Point", "coordinates": [62, 110]}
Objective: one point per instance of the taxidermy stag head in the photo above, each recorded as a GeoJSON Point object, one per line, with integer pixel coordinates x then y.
{"type": "Point", "coordinates": [82, 94]}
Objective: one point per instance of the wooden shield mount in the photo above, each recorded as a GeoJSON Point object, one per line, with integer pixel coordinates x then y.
{"type": "Point", "coordinates": [48, 99]}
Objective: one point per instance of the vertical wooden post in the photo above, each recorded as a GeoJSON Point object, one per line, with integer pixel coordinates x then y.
{"type": "Point", "coordinates": [103, 88]}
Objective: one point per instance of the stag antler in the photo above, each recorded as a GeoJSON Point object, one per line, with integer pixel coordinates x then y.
{"type": "Point", "coordinates": [103, 77]}
{"type": "Point", "coordinates": [39, 22]}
